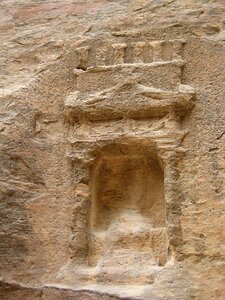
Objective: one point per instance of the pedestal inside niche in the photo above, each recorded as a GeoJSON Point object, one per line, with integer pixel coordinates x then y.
{"type": "Point", "coordinates": [128, 236]}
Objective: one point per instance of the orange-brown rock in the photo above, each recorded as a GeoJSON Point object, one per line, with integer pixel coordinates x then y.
{"type": "Point", "coordinates": [112, 149]}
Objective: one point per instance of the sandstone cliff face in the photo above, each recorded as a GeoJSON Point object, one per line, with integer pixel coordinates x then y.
{"type": "Point", "coordinates": [112, 149]}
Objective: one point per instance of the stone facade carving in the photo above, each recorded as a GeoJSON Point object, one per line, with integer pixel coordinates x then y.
{"type": "Point", "coordinates": [112, 150]}
{"type": "Point", "coordinates": [126, 136]}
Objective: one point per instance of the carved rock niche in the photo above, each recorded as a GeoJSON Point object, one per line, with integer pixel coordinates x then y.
{"type": "Point", "coordinates": [127, 179]}
{"type": "Point", "coordinates": [125, 135]}
{"type": "Point", "coordinates": [128, 206]}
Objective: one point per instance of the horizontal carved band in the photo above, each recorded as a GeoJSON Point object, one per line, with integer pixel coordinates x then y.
{"type": "Point", "coordinates": [115, 103]}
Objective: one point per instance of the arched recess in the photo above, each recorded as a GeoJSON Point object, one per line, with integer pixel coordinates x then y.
{"type": "Point", "coordinates": [128, 201]}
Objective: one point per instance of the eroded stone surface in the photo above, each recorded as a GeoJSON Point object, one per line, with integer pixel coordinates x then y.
{"type": "Point", "coordinates": [112, 149]}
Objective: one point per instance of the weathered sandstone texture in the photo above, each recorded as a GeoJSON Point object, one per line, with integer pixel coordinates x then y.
{"type": "Point", "coordinates": [112, 149]}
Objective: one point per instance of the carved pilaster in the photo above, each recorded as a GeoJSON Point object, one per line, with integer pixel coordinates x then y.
{"type": "Point", "coordinates": [172, 197]}
{"type": "Point", "coordinates": [81, 210]}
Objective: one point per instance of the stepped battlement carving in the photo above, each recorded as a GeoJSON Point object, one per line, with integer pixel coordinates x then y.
{"type": "Point", "coordinates": [135, 80]}
{"type": "Point", "coordinates": [144, 52]}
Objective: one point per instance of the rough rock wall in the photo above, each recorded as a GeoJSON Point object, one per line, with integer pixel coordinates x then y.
{"type": "Point", "coordinates": [48, 129]}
